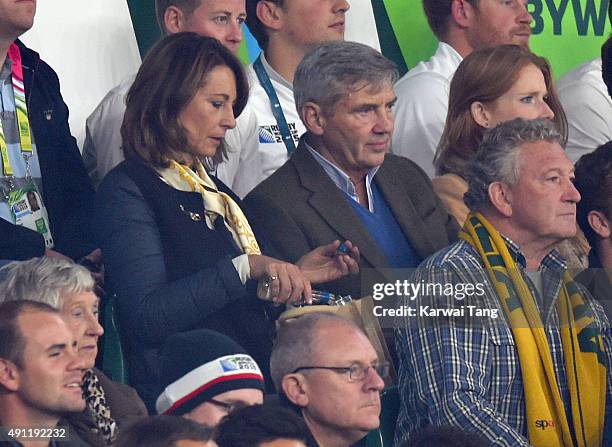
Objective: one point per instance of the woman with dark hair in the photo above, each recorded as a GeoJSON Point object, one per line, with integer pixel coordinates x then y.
{"type": "Point", "coordinates": [493, 85]}
{"type": "Point", "coordinates": [179, 252]}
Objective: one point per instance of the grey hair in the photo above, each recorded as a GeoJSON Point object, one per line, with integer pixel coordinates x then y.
{"type": "Point", "coordinates": [334, 69]}
{"type": "Point", "coordinates": [497, 157]}
{"type": "Point", "coordinates": [44, 280]}
{"type": "Point", "coordinates": [294, 344]}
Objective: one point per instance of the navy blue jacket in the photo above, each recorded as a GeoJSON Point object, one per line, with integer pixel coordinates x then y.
{"type": "Point", "coordinates": [67, 191]}
{"type": "Point", "coordinates": [170, 272]}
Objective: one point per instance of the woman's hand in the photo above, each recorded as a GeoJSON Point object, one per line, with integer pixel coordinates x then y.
{"type": "Point", "coordinates": [326, 263]}
{"type": "Point", "coordinates": [287, 283]}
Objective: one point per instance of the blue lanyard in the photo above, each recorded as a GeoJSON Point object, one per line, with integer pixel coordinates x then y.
{"type": "Point", "coordinates": [277, 110]}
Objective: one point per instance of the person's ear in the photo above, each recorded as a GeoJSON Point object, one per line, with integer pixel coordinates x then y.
{"type": "Point", "coordinates": [174, 19]}
{"type": "Point", "coordinates": [313, 117]}
{"type": "Point", "coordinates": [270, 14]}
{"type": "Point", "coordinates": [9, 375]}
{"type": "Point", "coordinates": [481, 115]}
{"type": "Point", "coordinates": [295, 388]}
{"type": "Point", "coordinates": [600, 224]}
{"type": "Point", "coordinates": [462, 12]}
{"type": "Point", "coordinates": [500, 197]}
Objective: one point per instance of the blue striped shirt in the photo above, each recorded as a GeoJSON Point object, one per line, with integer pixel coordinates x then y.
{"type": "Point", "coordinates": [343, 181]}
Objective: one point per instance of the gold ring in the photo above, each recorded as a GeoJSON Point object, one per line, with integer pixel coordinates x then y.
{"type": "Point", "coordinates": [272, 278]}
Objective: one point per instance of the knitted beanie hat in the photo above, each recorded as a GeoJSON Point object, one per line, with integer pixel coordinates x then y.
{"type": "Point", "coordinates": [200, 364]}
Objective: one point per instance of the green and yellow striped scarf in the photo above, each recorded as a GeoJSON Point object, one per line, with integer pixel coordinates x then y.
{"type": "Point", "coordinates": [583, 349]}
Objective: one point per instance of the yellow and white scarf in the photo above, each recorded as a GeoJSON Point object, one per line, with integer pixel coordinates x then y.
{"type": "Point", "coordinates": [582, 343]}
{"type": "Point", "coordinates": [216, 203]}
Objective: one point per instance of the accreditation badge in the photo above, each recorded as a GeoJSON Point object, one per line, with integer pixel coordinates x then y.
{"type": "Point", "coordinates": [27, 210]}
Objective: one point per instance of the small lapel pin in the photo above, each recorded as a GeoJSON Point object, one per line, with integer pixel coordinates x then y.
{"type": "Point", "coordinates": [193, 216]}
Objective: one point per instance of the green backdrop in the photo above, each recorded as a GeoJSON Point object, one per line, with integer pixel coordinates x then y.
{"type": "Point", "coordinates": [567, 32]}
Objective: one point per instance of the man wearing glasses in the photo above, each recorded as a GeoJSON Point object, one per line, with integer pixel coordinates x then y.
{"type": "Point", "coordinates": [326, 369]}
{"type": "Point", "coordinates": [206, 376]}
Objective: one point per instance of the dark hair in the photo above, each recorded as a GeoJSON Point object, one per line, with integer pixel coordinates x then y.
{"type": "Point", "coordinates": [163, 431]}
{"type": "Point", "coordinates": [170, 76]}
{"type": "Point", "coordinates": [258, 29]}
{"type": "Point", "coordinates": [187, 6]}
{"type": "Point", "coordinates": [485, 75]}
{"type": "Point", "coordinates": [12, 342]}
{"type": "Point", "coordinates": [444, 436]}
{"type": "Point", "coordinates": [594, 182]}
{"type": "Point", "coordinates": [606, 60]}
{"type": "Point", "coordinates": [438, 12]}
{"type": "Point", "coordinates": [253, 425]}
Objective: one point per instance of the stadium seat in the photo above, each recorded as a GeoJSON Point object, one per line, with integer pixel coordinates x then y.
{"type": "Point", "coordinates": [114, 364]}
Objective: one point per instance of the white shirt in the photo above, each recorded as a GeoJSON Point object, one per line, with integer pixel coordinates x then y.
{"type": "Point", "coordinates": [588, 106]}
{"type": "Point", "coordinates": [422, 103]}
{"type": "Point", "coordinates": [102, 146]}
{"type": "Point", "coordinates": [261, 139]}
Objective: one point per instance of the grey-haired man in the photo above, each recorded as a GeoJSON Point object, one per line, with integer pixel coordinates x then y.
{"type": "Point", "coordinates": [499, 360]}
{"type": "Point", "coordinates": [341, 182]}
{"type": "Point", "coordinates": [325, 368]}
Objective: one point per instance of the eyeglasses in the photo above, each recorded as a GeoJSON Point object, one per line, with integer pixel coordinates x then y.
{"type": "Point", "coordinates": [356, 372]}
{"type": "Point", "coordinates": [227, 407]}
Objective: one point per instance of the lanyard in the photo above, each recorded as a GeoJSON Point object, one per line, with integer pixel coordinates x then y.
{"type": "Point", "coordinates": [21, 109]}
{"type": "Point", "coordinates": [277, 110]}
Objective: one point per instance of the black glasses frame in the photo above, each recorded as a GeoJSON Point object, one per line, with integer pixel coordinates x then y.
{"type": "Point", "coordinates": [382, 369]}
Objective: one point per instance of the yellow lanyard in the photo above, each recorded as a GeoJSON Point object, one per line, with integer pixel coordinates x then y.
{"type": "Point", "coordinates": [25, 135]}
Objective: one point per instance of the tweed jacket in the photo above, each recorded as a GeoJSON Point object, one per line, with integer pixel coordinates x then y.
{"type": "Point", "coordinates": [299, 208]}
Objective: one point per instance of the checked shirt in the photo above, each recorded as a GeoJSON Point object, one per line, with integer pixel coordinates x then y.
{"type": "Point", "coordinates": [466, 373]}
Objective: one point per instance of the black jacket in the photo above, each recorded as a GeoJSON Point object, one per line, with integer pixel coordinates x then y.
{"type": "Point", "coordinates": [67, 191]}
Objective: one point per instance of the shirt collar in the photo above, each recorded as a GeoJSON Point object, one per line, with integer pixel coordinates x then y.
{"type": "Point", "coordinates": [273, 74]}
{"type": "Point", "coordinates": [448, 52]}
{"type": "Point", "coordinates": [342, 180]}
{"type": "Point", "coordinates": [553, 260]}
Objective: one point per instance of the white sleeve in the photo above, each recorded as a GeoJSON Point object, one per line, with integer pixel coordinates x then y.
{"type": "Point", "coordinates": [242, 267]}
{"type": "Point", "coordinates": [102, 146]}
{"type": "Point", "coordinates": [242, 170]}
{"type": "Point", "coordinates": [589, 118]}
{"type": "Point", "coordinates": [420, 114]}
